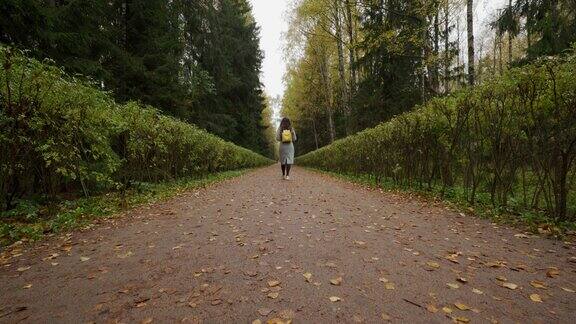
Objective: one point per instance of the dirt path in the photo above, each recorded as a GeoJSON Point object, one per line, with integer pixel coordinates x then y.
{"type": "Point", "coordinates": [212, 256]}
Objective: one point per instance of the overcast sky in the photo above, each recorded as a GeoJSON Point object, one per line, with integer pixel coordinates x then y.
{"type": "Point", "coordinates": [270, 16]}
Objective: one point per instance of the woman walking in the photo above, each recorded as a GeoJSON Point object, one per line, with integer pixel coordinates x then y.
{"type": "Point", "coordinates": [286, 136]}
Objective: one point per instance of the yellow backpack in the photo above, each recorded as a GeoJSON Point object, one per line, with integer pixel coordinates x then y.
{"type": "Point", "coordinates": [286, 136]}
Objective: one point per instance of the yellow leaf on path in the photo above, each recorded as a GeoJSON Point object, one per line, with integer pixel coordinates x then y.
{"type": "Point", "coordinates": [384, 280]}
{"type": "Point", "coordinates": [452, 258]}
{"type": "Point", "coordinates": [453, 285]}
{"type": "Point", "coordinates": [22, 269]}
{"type": "Point", "coordinates": [257, 321]}
{"type": "Point", "coordinates": [389, 286]}
{"type": "Point", "coordinates": [84, 259]}
{"type": "Point", "coordinates": [385, 317]}
{"type": "Point", "coordinates": [538, 284]}
{"type": "Point", "coordinates": [147, 320]}
{"type": "Point", "coordinates": [447, 310]}
{"type": "Point", "coordinates": [273, 283]}
{"type": "Point", "coordinates": [431, 308]}
{"type": "Point", "coordinates": [278, 321]}
{"type": "Point", "coordinates": [477, 291]}
{"type": "Point", "coordinates": [461, 319]}
{"type": "Point", "coordinates": [509, 285]}
{"type": "Point", "coordinates": [28, 286]}
{"type": "Point", "coordinates": [552, 273]}
{"type": "Point", "coordinates": [308, 276]}
{"type": "Point", "coordinates": [536, 298]}
{"type": "Point", "coordinates": [567, 289]}
{"type": "Point", "coordinates": [334, 299]}
{"type": "Point", "coordinates": [461, 306]}
{"type": "Point", "coordinates": [273, 295]}
{"type": "Point", "coordinates": [336, 281]}
{"type": "Point", "coordinates": [433, 264]}
{"type": "Point", "coordinates": [462, 280]}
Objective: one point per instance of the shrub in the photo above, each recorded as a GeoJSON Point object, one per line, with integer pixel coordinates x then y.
{"type": "Point", "coordinates": [61, 136]}
{"type": "Point", "coordinates": [513, 137]}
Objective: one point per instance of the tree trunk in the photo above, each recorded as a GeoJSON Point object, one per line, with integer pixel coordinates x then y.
{"type": "Point", "coordinates": [315, 132]}
{"type": "Point", "coordinates": [510, 36]}
{"type": "Point", "coordinates": [446, 49]}
{"type": "Point", "coordinates": [436, 50]}
{"type": "Point", "coordinates": [324, 71]}
{"type": "Point", "coordinates": [341, 67]}
{"type": "Point", "coordinates": [352, 48]}
{"type": "Point", "coordinates": [554, 25]}
{"type": "Point", "coordinates": [501, 67]}
{"type": "Point", "coordinates": [470, 26]}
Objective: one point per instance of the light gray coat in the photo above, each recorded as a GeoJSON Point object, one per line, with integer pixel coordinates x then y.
{"type": "Point", "coordinates": [286, 150]}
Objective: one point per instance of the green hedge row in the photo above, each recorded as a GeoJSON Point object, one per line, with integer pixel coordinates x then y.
{"type": "Point", "coordinates": [59, 135]}
{"type": "Point", "coordinates": [512, 139]}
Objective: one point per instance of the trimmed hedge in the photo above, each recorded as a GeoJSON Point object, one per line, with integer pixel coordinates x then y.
{"type": "Point", "coordinates": [512, 139]}
{"type": "Point", "coordinates": [60, 135]}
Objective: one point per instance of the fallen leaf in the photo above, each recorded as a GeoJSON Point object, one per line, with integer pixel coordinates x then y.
{"type": "Point", "coordinates": [461, 319]}
{"type": "Point", "coordinates": [433, 264]}
{"type": "Point", "coordinates": [538, 284]}
{"type": "Point", "coordinates": [22, 269]}
{"type": "Point", "coordinates": [146, 320]}
{"type": "Point", "coordinates": [462, 280]}
{"type": "Point", "coordinates": [84, 259]}
{"type": "Point", "coordinates": [28, 286]}
{"type": "Point", "coordinates": [536, 298]}
{"type": "Point", "coordinates": [389, 286]}
{"type": "Point", "coordinates": [567, 289]}
{"type": "Point", "coordinates": [334, 299]}
{"type": "Point", "coordinates": [384, 280]}
{"type": "Point", "coordinates": [360, 243]}
{"type": "Point", "coordinates": [509, 285]}
{"type": "Point", "coordinates": [431, 308]}
{"type": "Point", "coordinates": [521, 236]}
{"type": "Point", "coordinates": [477, 291]}
{"type": "Point", "coordinates": [257, 321]}
{"type": "Point", "coordinates": [461, 306]}
{"type": "Point", "coordinates": [453, 285]}
{"type": "Point", "coordinates": [278, 321]}
{"type": "Point", "coordinates": [264, 311]}
{"type": "Point", "coordinates": [447, 310]}
{"type": "Point", "coordinates": [308, 276]}
{"type": "Point", "coordinates": [273, 283]}
{"type": "Point", "coordinates": [385, 317]}
{"type": "Point", "coordinates": [273, 295]}
{"type": "Point", "coordinates": [216, 302]}
{"type": "Point", "coordinates": [452, 258]}
{"type": "Point", "coordinates": [336, 281]}
{"type": "Point", "coordinates": [495, 264]}
{"type": "Point", "coordinates": [552, 273]}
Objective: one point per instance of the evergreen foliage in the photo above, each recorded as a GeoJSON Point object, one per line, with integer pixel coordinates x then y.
{"type": "Point", "coordinates": [197, 60]}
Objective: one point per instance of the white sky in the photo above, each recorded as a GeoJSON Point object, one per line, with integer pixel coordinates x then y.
{"type": "Point", "coordinates": [270, 16]}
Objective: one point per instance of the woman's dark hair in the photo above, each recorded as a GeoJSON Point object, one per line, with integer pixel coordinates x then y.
{"type": "Point", "coordinates": [285, 124]}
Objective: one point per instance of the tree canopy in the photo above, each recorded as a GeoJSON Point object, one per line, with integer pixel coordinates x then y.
{"type": "Point", "coordinates": [198, 60]}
